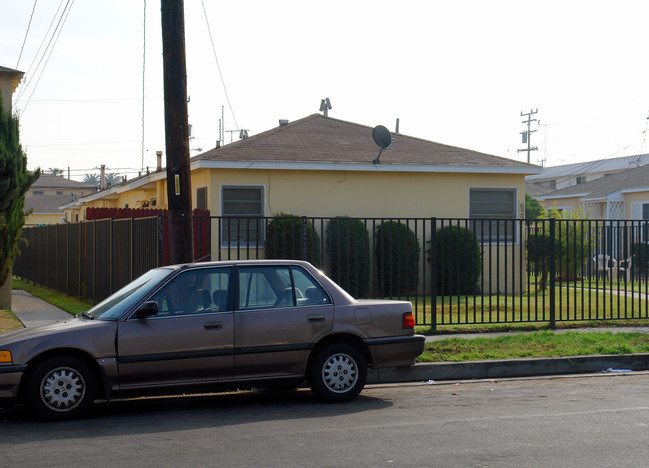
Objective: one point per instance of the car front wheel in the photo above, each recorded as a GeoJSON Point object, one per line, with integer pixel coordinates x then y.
{"type": "Point", "coordinates": [338, 373]}
{"type": "Point", "coordinates": [61, 387]}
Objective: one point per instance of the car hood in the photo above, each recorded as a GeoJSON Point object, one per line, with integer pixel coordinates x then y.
{"type": "Point", "coordinates": [96, 337]}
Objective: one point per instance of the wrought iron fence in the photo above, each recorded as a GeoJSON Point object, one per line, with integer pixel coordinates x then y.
{"type": "Point", "coordinates": [454, 271]}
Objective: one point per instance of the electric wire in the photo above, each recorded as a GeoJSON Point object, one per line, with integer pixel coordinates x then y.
{"type": "Point", "coordinates": [143, 75]}
{"type": "Point", "coordinates": [26, 33]}
{"type": "Point", "coordinates": [209, 31]}
{"type": "Point", "coordinates": [57, 33]}
{"type": "Point", "coordinates": [22, 89]}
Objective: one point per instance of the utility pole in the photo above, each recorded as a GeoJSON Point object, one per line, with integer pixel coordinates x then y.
{"type": "Point", "coordinates": [177, 132]}
{"type": "Point", "coordinates": [527, 135]}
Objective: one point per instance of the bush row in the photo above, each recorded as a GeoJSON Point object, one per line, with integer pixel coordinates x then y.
{"type": "Point", "coordinates": [456, 256]}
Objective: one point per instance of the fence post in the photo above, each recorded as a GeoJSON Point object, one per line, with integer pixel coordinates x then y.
{"type": "Point", "coordinates": [304, 240]}
{"type": "Point", "coordinates": [553, 260]}
{"type": "Point", "coordinates": [433, 275]}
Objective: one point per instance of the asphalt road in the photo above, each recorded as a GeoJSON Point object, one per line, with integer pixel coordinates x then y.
{"type": "Point", "coordinates": [587, 420]}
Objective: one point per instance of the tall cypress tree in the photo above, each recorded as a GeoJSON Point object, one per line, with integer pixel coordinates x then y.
{"type": "Point", "coordinates": [15, 180]}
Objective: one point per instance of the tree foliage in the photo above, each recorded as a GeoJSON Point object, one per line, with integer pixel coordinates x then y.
{"type": "Point", "coordinates": [533, 208]}
{"type": "Point", "coordinates": [15, 180]}
{"type": "Point", "coordinates": [55, 171]}
{"type": "Point", "coordinates": [91, 179]}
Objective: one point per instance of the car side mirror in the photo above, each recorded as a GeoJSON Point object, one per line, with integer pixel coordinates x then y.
{"type": "Point", "coordinates": [147, 310]}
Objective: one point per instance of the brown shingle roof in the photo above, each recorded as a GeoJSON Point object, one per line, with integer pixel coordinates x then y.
{"type": "Point", "coordinates": [52, 181]}
{"type": "Point", "coordinates": [319, 139]}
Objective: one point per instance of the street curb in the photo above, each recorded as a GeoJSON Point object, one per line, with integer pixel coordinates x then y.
{"type": "Point", "coordinates": [508, 368]}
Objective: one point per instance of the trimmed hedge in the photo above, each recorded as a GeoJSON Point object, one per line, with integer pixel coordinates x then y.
{"type": "Point", "coordinates": [349, 252]}
{"type": "Point", "coordinates": [457, 260]}
{"type": "Point", "coordinates": [397, 259]}
{"type": "Point", "coordinates": [284, 239]}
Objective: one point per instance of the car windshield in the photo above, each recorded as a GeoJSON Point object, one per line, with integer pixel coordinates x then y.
{"type": "Point", "coordinates": [116, 304]}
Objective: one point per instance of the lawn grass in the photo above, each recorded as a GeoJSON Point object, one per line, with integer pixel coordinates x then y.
{"type": "Point", "coordinates": [8, 321]}
{"type": "Point", "coordinates": [536, 344]}
{"type": "Point", "coordinates": [67, 303]}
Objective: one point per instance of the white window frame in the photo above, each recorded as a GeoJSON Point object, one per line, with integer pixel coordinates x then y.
{"type": "Point", "coordinates": [225, 243]}
{"type": "Point", "coordinates": [504, 239]}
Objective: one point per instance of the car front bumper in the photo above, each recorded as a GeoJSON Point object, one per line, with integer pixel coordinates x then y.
{"type": "Point", "coordinates": [10, 380]}
{"type": "Point", "coordinates": [395, 351]}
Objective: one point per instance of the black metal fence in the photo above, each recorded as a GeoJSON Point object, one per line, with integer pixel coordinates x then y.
{"type": "Point", "coordinates": [454, 271]}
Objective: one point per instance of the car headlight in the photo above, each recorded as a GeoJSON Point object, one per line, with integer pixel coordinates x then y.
{"type": "Point", "coordinates": [5, 357]}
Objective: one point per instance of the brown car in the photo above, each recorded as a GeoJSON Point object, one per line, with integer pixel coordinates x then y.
{"type": "Point", "coordinates": [205, 326]}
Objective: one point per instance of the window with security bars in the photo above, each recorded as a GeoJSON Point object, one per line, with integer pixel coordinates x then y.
{"type": "Point", "coordinates": [493, 214]}
{"type": "Point", "coordinates": [242, 211]}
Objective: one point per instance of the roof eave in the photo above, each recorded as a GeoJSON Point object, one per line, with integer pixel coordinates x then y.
{"type": "Point", "coordinates": [359, 167]}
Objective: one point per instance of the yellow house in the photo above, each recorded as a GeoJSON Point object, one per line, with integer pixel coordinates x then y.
{"type": "Point", "coordinates": [624, 195]}
{"type": "Point", "coordinates": [47, 194]}
{"type": "Point", "coordinates": [323, 167]}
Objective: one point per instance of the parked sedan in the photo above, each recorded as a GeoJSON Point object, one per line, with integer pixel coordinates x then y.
{"type": "Point", "coordinates": [206, 326]}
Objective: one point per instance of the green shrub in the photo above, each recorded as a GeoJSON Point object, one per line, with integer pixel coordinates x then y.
{"type": "Point", "coordinates": [457, 261]}
{"type": "Point", "coordinates": [538, 247]}
{"type": "Point", "coordinates": [397, 258]}
{"type": "Point", "coordinates": [284, 239]}
{"type": "Point", "coordinates": [349, 252]}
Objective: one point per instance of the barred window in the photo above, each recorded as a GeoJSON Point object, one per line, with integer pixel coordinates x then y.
{"type": "Point", "coordinates": [242, 211]}
{"type": "Point", "coordinates": [493, 211]}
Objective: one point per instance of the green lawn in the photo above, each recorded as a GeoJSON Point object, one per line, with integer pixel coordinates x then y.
{"type": "Point", "coordinates": [69, 304]}
{"type": "Point", "coordinates": [536, 344]}
{"type": "Point", "coordinates": [8, 321]}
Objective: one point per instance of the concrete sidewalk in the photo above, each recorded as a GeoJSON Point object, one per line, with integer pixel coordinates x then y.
{"type": "Point", "coordinates": [32, 311]}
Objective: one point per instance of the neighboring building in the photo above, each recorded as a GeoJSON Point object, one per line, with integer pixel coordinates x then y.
{"type": "Point", "coordinates": [9, 81]}
{"type": "Point", "coordinates": [322, 167]}
{"type": "Point", "coordinates": [568, 175]}
{"type": "Point", "coordinates": [47, 194]}
{"type": "Point", "coordinates": [624, 195]}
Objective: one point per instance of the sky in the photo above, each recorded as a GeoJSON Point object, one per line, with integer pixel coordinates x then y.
{"type": "Point", "coordinates": [456, 72]}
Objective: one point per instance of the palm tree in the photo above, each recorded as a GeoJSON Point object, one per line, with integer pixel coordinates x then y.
{"type": "Point", "coordinates": [92, 179]}
{"type": "Point", "coordinates": [55, 171]}
{"type": "Point", "coordinates": [113, 178]}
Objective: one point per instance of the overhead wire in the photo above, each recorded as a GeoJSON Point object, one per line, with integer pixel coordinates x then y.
{"type": "Point", "coordinates": [209, 31]}
{"type": "Point", "coordinates": [22, 89]}
{"type": "Point", "coordinates": [143, 75]}
{"type": "Point", "coordinates": [57, 33]}
{"type": "Point", "coordinates": [26, 33]}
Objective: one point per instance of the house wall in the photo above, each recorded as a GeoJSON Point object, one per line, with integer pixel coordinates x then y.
{"type": "Point", "coordinates": [568, 203]}
{"type": "Point", "coordinates": [634, 197]}
{"type": "Point", "coordinates": [363, 194]}
{"type": "Point", "coordinates": [36, 219]}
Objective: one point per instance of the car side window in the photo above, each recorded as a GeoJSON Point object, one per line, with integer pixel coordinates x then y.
{"type": "Point", "coordinates": [265, 288]}
{"type": "Point", "coordinates": [312, 292]}
{"type": "Point", "coordinates": [199, 291]}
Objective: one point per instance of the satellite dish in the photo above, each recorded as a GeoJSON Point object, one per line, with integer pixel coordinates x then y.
{"type": "Point", "coordinates": [383, 139]}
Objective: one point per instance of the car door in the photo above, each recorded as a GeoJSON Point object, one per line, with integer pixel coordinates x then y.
{"type": "Point", "coordinates": [275, 322]}
{"type": "Point", "coordinates": [189, 340]}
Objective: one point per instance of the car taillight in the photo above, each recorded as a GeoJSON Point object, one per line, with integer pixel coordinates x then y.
{"type": "Point", "coordinates": [408, 320]}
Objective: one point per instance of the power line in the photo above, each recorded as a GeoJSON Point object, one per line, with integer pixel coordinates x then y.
{"type": "Point", "coordinates": [23, 88]}
{"type": "Point", "coordinates": [57, 32]}
{"type": "Point", "coordinates": [209, 31]}
{"type": "Point", "coordinates": [143, 75]}
{"type": "Point", "coordinates": [26, 33]}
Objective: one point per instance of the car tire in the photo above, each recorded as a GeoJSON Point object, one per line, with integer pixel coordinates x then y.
{"type": "Point", "coordinates": [337, 373]}
{"type": "Point", "coordinates": [61, 388]}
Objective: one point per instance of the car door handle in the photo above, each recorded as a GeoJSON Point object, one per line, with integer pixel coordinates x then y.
{"type": "Point", "coordinates": [316, 317]}
{"type": "Point", "coordinates": [213, 325]}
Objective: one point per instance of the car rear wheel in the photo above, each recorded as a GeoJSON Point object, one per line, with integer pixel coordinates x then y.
{"type": "Point", "coordinates": [61, 387]}
{"type": "Point", "coordinates": [338, 373]}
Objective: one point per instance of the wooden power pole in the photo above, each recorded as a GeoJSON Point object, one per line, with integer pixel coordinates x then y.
{"type": "Point", "coordinates": [179, 190]}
